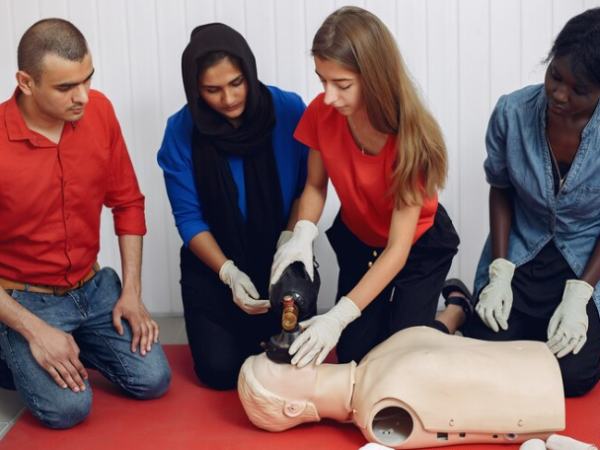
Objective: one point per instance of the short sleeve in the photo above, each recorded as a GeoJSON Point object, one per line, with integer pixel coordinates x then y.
{"type": "Point", "coordinates": [307, 129]}
{"type": "Point", "coordinates": [496, 171]}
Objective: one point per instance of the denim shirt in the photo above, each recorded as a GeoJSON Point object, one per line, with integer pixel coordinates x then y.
{"type": "Point", "coordinates": [518, 157]}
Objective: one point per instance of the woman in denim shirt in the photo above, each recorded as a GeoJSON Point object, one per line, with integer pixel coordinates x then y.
{"type": "Point", "coordinates": [540, 264]}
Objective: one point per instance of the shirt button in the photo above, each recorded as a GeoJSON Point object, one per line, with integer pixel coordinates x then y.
{"type": "Point", "coordinates": [370, 263]}
{"type": "Point", "coordinates": [375, 253]}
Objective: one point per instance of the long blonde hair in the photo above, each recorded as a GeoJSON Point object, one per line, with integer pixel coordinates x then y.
{"type": "Point", "coordinates": [358, 41]}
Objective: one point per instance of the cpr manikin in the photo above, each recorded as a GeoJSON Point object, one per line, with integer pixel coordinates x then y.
{"type": "Point", "coordinates": [420, 388]}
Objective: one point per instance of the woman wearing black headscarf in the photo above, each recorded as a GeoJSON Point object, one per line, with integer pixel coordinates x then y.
{"type": "Point", "coordinates": [233, 173]}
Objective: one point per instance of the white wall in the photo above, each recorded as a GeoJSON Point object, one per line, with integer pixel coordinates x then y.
{"type": "Point", "coordinates": [464, 54]}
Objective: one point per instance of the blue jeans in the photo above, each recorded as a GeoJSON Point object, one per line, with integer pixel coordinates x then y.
{"type": "Point", "coordinates": [86, 313]}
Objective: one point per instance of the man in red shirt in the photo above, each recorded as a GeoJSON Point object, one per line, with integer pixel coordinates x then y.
{"type": "Point", "coordinates": [62, 158]}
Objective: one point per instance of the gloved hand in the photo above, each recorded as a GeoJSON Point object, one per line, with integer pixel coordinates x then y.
{"type": "Point", "coordinates": [283, 238]}
{"type": "Point", "coordinates": [567, 331]}
{"type": "Point", "coordinates": [298, 248]}
{"type": "Point", "coordinates": [323, 332]}
{"type": "Point", "coordinates": [244, 293]}
{"type": "Point", "coordinates": [495, 301]}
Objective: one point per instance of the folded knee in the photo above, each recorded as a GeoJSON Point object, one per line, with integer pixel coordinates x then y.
{"type": "Point", "coordinates": [152, 383]}
{"type": "Point", "coordinates": [65, 412]}
{"type": "Point", "coordinates": [577, 382]}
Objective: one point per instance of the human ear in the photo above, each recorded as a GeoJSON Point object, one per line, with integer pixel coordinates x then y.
{"type": "Point", "coordinates": [293, 409]}
{"type": "Point", "coordinates": [24, 80]}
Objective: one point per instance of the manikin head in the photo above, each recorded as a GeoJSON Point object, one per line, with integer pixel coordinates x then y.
{"type": "Point", "coordinates": [276, 397]}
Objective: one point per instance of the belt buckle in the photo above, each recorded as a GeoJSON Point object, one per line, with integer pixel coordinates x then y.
{"type": "Point", "coordinates": [56, 290]}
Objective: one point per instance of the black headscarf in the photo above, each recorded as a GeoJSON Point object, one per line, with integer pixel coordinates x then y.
{"type": "Point", "coordinates": [249, 244]}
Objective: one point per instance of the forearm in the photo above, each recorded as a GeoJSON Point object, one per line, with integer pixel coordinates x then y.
{"type": "Point", "coordinates": [206, 248]}
{"type": "Point", "coordinates": [312, 203]}
{"type": "Point", "coordinates": [312, 200]}
{"type": "Point", "coordinates": [391, 261]}
{"type": "Point", "coordinates": [16, 317]}
{"type": "Point", "coordinates": [386, 267]}
{"type": "Point", "coordinates": [130, 247]}
{"type": "Point", "coordinates": [293, 215]}
{"type": "Point", "coordinates": [591, 273]}
{"type": "Point", "coordinates": [500, 221]}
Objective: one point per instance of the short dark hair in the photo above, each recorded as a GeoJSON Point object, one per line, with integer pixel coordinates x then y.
{"type": "Point", "coordinates": [580, 39]}
{"type": "Point", "coordinates": [56, 36]}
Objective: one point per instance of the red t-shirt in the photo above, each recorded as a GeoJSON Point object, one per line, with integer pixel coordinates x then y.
{"type": "Point", "coordinates": [361, 181]}
{"type": "Point", "coordinates": [51, 195]}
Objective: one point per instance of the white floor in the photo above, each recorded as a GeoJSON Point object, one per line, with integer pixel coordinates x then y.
{"type": "Point", "coordinates": [172, 331]}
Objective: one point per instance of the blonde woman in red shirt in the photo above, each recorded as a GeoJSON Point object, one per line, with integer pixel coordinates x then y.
{"type": "Point", "coordinates": [371, 135]}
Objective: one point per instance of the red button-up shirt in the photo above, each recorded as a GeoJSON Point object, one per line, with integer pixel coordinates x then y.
{"type": "Point", "coordinates": [51, 195]}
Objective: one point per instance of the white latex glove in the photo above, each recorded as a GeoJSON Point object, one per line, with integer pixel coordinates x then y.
{"type": "Point", "coordinates": [283, 238]}
{"type": "Point", "coordinates": [374, 446]}
{"type": "Point", "coordinates": [322, 333]}
{"type": "Point", "coordinates": [495, 301]}
{"type": "Point", "coordinates": [533, 444]}
{"type": "Point", "coordinates": [558, 442]}
{"type": "Point", "coordinates": [567, 331]}
{"type": "Point", "coordinates": [297, 248]}
{"type": "Point", "coordinates": [244, 293]}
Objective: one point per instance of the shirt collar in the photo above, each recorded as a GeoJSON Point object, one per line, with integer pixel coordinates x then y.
{"type": "Point", "coordinates": [16, 127]}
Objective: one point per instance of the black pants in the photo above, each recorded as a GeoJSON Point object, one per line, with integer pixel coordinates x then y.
{"type": "Point", "coordinates": [220, 334]}
{"type": "Point", "coordinates": [580, 373]}
{"type": "Point", "coordinates": [411, 298]}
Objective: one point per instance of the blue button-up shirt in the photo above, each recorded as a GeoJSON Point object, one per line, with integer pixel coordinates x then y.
{"type": "Point", "coordinates": [518, 157]}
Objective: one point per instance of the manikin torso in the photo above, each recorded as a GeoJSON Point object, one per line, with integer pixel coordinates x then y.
{"type": "Point", "coordinates": [423, 388]}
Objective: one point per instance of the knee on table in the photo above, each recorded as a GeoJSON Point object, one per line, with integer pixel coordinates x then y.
{"type": "Point", "coordinates": [66, 411]}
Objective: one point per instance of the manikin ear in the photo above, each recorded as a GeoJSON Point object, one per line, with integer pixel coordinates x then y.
{"type": "Point", "coordinates": [293, 409]}
{"type": "Point", "coordinates": [25, 81]}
